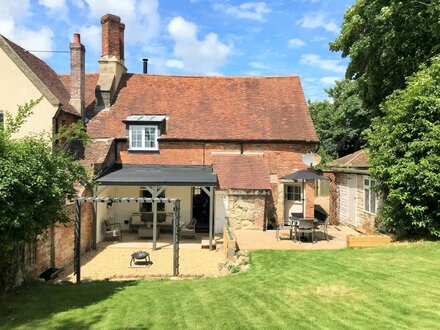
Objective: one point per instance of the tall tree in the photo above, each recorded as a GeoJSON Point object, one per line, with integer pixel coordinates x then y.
{"type": "Point", "coordinates": [36, 179]}
{"type": "Point", "coordinates": [404, 152]}
{"type": "Point", "coordinates": [387, 40]}
{"type": "Point", "coordinates": [340, 124]}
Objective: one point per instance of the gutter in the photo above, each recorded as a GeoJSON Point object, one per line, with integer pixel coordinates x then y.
{"type": "Point", "coordinates": [348, 170]}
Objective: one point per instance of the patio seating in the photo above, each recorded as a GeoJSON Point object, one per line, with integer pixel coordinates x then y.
{"type": "Point", "coordinates": [113, 231]}
{"type": "Point", "coordinates": [324, 225]}
{"type": "Point", "coordinates": [135, 222]}
{"type": "Point", "coordinates": [287, 225]}
{"type": "Point", "coordinates": [321, 219]}
{"type": "Point", "coordinates": [188, 228]}
{"type": "Point", "coordinates": [305, 226]}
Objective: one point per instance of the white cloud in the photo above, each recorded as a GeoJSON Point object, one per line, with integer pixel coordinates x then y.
{"type": "Point", "coordinates": [318, 20]}
{"type": "Point", "coordinates": [58, 8]}
{"type": "Point", "coordinates": [11, 14]}
{"type": "Point", "coordinates": [295, 43]}
{"type": "Point", "coordinates": [258, 65]}
{"type": "Point", "coordinates": [90, 37]}
{"type": "Point", "coordinates": [247, 10]}
{"type": "Point", "coordinates": [317, 61]}
{"type": "Point", "coordinates": [177, 64]}
{"type": "Point", "coordinates": [329, 80]}
{"type": "Point", "coordinates": [253, 73]}
{"type": "Point", "coordinates": [141, 18]}
{"type": "Point", "coordinates": [199, 56]}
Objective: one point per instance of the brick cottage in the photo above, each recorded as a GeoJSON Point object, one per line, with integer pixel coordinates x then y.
{"type": "Point", "coordinates": [219, 144]}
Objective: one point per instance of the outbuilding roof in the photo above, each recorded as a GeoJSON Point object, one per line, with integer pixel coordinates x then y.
{"type": "Point", "coordinates": [235, 171]}
{"type": "Point", "coordinates": [358, 159]}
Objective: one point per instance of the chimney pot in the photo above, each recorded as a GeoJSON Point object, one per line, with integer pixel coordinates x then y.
{"type": "Point", "coordinates": [145, 67]}
{"type": "Point", "coordinates": [76, 38]}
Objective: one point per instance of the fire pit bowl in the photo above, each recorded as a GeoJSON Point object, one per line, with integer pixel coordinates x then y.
{"type": "Point", "coordinates": [139, 255]}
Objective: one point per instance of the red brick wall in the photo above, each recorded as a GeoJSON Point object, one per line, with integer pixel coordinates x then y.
{"type": "Point", "coordinates": [63, 242]}
{"type": "Point", "coordinates": [281, 159]}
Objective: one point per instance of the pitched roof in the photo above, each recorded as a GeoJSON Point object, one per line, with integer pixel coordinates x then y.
{"type": "Point", "coordinates": [44, 73]}
{"type": "Point", "coordinates": [241, 171]}
{"type": "Point", "coordinates": [211, 108]}
{"type": "Point", "coordinates": [356, 159]}
{"type": "Point", "coordinates": [91, 80]}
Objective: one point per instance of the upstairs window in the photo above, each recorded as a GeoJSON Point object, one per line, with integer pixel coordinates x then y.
{"type": "Point", "coordinates": [143, 137]}
{"type": "Point", "coordinates": [370, 198]}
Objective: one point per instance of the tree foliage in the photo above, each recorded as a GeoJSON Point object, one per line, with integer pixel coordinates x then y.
{"type": "Point", "coordinates": [387, 41]}
{"type": "Point", "coordinates": [35, 181]}
{"type": "Point", "coordinates": [340, 124]}
{"type": "Point", "coordinates": [404, 152]}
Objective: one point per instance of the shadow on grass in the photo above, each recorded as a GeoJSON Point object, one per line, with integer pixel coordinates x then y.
{"type": "Point", "coordinates": [35, 301]}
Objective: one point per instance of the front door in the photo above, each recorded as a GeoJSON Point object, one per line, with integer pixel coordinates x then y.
{"type": "Point", "coordinates": [293, 195]}
{"type": "Point", "coordinates": [200, 209]}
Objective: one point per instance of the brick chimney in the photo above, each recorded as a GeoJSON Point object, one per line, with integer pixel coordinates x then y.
{"type": "Point", "coordinates": [77, 74]}
{"type": "Point", "coordinates": [111, 63]}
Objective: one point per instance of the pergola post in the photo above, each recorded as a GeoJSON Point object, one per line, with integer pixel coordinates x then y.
{"type": "Point", "coordinates": [210, 192]}
{"type": "Point", "coordinates": [155, 191]}
{"type": "Point", "coordinates": [77, 247]}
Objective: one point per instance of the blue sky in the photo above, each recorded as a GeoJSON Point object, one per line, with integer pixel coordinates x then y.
{"type": "Point", "coordinates": [192, 37]}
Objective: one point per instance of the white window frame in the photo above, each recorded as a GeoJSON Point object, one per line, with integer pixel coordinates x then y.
{"type": "Point", "coordinates": [143, 147]}
{"type": "Point", "coordinates": [294, 187]}
{"type": "Point", "coordinates": [368, 186]}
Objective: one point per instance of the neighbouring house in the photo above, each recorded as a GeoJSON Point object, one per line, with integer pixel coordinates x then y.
{"type": "Point", "coordinates": [220, 144]}
{"type": "Point", "coordinates": [26, 77]}
{"type": "Point", "coordinates": [356, 200]}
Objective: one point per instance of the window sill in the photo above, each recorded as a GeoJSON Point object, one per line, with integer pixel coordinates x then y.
{"type": "Point", "coordinates": [144, 151]}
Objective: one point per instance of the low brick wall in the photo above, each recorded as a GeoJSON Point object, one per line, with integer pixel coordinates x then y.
{"type": "Point", "coordinates": [56, 247]}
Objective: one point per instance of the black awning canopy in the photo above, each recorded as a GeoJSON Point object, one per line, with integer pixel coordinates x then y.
{"type": "Point", "coordinates": [159, 175]}
{"type": "Point", "coordinates": [304, 175]}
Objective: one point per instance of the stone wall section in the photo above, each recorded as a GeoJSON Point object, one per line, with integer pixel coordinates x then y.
{"type": "Point", "coordinates": [246, 209]}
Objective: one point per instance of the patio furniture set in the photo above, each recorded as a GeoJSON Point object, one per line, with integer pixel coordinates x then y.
{"type": "Point", "coordinates": [300, 227]}
{"type": "Point", "coordinates": [113, 231]}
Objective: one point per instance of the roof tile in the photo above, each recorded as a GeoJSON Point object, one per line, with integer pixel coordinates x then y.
{"type": "Point", "coordinates": [241, 171]}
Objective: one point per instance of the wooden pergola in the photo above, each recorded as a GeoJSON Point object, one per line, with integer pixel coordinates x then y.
{"type": "Point", "coordinates": [155, 192]}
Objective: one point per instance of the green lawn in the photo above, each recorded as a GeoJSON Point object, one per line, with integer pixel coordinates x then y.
{"type": "Point", "coordinates": [395, 287]}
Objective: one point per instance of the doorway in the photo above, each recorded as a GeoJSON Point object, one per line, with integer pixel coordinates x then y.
{"type": "Point", "coordinates": [293, 201]}
{"type": "Point", "coordinates": [200, 209]}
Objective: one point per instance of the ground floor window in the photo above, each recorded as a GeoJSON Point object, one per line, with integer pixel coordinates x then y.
{"type": "Point", "coordinates": [370, 198]}
{"type": "Point", "coordinates": [1, 117]}
{"type": "Point", "coordinates": [293, 193]}
{"type": "Point", "coordinates": [148, 207]}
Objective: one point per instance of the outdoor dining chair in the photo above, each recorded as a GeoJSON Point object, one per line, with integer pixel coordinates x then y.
{"type": "Point", "coordinates": [323, 224]}
{"type": "Point", "coordinates": [188, 229]}
{"type": "Point", "coordinates": [305, 226]}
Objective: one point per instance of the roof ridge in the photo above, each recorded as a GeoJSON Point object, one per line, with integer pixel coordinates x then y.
{"type": "Point", "coordinates": [209, 77]}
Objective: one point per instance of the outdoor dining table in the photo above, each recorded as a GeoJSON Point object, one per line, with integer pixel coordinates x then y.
{"type": "Point", "coordinates": [295, 224]}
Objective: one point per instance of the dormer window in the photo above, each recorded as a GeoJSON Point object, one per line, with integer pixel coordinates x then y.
{"type": "Point", "coordinates": [143, 137]}
{"type": "Point", "coordinates": [144, 131]}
